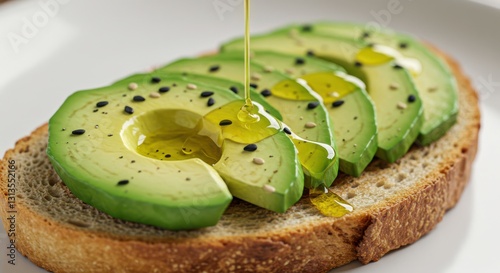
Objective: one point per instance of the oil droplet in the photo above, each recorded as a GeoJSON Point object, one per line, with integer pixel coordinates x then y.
{"type": "Point", "coordinates": [292, 90]}
{"type": "Point", "coordinates": [380, 54]}
{"type": "Point", "coordinates": [249, 127]}
{"type": "Point", "coordinates": [332, 86]}
{"type": "Point", "coordinates": [329, 203]}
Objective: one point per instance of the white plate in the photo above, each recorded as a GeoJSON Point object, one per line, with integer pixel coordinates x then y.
{"type": "Point", "coordinates": [47, 52]}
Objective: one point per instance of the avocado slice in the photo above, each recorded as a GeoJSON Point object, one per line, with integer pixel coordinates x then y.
{"type": "Point", "coordinates": [143, 150]}
{"type": "Point", "coordinates": [435, 82]}
{"type": "Point", "coordinates": [398, 106]}
{"type": "Point", "coordinates": [354, 123]}
{"type": "Point", "coordinates": [297, 104]}
{"type": "Point", "coordinates": [233, 86]}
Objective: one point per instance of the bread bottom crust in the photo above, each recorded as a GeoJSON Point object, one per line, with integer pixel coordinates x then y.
{"type": "Point", "coordinates": [317, 244]}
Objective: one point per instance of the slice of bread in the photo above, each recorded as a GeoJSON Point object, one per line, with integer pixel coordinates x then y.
{"type": "Point", "coordinates": [395, 204]}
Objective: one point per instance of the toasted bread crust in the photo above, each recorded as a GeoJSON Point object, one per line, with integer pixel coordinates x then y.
{"type": "Point", "coordinates": [316, 245]}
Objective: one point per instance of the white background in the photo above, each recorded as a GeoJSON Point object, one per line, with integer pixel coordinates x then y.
{"type": "Point", "coordinates": [84, 44]}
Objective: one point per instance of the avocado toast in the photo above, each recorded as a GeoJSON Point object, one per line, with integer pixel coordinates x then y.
{"type": "Point", "coordinates": [421, 185]}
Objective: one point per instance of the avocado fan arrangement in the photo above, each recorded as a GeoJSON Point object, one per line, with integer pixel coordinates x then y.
{"type": "Point", "coordinates": [170, 149]}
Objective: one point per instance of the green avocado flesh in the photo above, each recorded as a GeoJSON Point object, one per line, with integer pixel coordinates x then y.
{"type": "Point", "coordinates": [354, 123]}
{"type": "Point", "coordinates": [435, 82]}
{"type": "Point", "coordinates": [398, 107]}
{"type": "Point", "coordinates": [289, 96]}
{"type": "Point", "coordinates": [171, 148]}
{"type": "Point", "coordinates": [161, 161]}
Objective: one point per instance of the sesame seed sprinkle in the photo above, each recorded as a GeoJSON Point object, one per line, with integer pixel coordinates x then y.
{"type": "Point", "coordinates": [155, 79]}
{"type": "Point", "coordinates": [78, 132]}
{"type": "Point", "coordinates": [250, 147]}
{"type": "Point", "coordinates": [268, 69]}
{"type": "Point", "coordinates": [225, 122]}
{"type": "Point", "coordinates": [266, 93]}
{"type": "Point", "coordinates": [412, 98]}
{"type": "Point", "coordinates": [312, 104]}
{"type": "Point", "coordinates": [234, 89]}
{"type": "Point", "coordinates": [122, 183]}
{"type": "Point", "coordinates": [101, 103]}
{"type": "Point", "coordinates": [138, 98]}
{"type": "Point", "coordinates": [128, 110]}
{"type": "Point", "coordinates": [401, 105]}
{"type": "Point", "coordinates": [206, 94]}
{"type": "Point", "coordinates": [258, 161]}
{"type": "Point", "coordinates": [154, 95]}
{"type": "Point", "coordinates": [132, 86]}
{"type": "Point", "coordinates": [269, 188]}
{"type": "Point", "coordinates": [287, 131]}
{"type": "Point", "coordinates": [214, 68]}
{"type": "Point", "coordinates": [210, 102]}
{"type": "Point", "coordinates": [191, 86]}
{"type": "Point", "coordinates": [310, 124]}
{"type": "Point", "coordinates": [337, 103]}
{"type": "Point", "coordinates": [164, 89]}
{"type": "Point", "coordinates": [256, 76]}
{"type": "Point", "coordinates": [394, 86]}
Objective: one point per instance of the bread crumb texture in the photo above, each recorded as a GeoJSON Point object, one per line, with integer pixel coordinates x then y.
{"type": "Point", "coordinates": [395, 204]}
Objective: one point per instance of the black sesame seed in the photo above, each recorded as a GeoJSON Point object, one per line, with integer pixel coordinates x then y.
{"type": "Point", "coordinates": [101, 104]}
{"type": "Point", "coordinates": [250, 147]}
{"type": "Point", "coordinates": [78, 132]}
{"type": "Point", "coordinates": [210, 102]}
{"type": "Point", "coordinates": [365, 35]}
{"type": "Point", "coordinates": [139, 98]}
{"type": "Point", "coordinates": [225, 122]}
{"type": "Point", "coordinates": [122, 182]}
{"type": "Point", "coordinates": [214, 68]}
{"type": "Point", "coordinates": [128, 110]}
{"type": "Point", "coordinates": [168, 155]}
{"type": "Point", "coordinates": [358, 64]}
{"type": "Point", "coordinates": [164, 89]}
{"type": "Point", "coordinates": [307, 28]}
{"type": "Point", "coordinates": [155, 80]}
{"type": "Point", "coordinates": [95, 110]}
{"type": "Point", "coordinates": [403, 45]}
{"type": "Point", "coordinates": [266, 93]}
{"type": "Point", "coordinates": [412, 98]}
{"type": "Point", "coordinates": [206, 94]}
{"type": "Point", "coordinates": [253, 85]}
{"type": "Point", "coordinates": [397, 66]}
{"type": "Point", "coordinates": [312, 104]}
{"type": "Point", "coordinates": [234, 89]}
{"type": "Point", "coordinates": [300, 61]}
{"type": "Point", "coordinates": [337, 103]}
{"type": "Point", "coordinates": [287, 131]}
{"type": "Point", "coordinates": [310, 53]}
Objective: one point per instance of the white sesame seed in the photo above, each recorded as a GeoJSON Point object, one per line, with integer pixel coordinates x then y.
{"type": "Point", "coordinates": [293, 33]}
{"type": "Point", "coordinates": [191, 86]}
{"type": "Point", "coordinates": [258, 161]}
{"type": "Point", "coordinates": [269, 188]}
{"type": "Point", "coordinates": [402, 105]}
{"type": "Point", "coordinates": [289, 71]}
{"type": "Point", "coordinates": [256, 76]}
{"type": "Point", "coordinates": [268, 69]}
{"type": "Point", "coordinates": [334, 94]}
{"type": "Point", "coordinates": [132, 86]}
{"type": "Point", "coordinates": [432, 88]}
{"type": "Point", "coordinates": [310, 124]}
{"type": "Point", "coordinates": [394, 86]}
{"type": "Point", "coordinates": [154, 95]}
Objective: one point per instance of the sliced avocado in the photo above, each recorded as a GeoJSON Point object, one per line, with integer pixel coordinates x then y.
{"type": "Point", "coordinates": [435, 82]}
{"type": "Point", "coordinates": [233, 86]}
{"type": "Point", "coordinates": [398, 106]}
{"type": "Point", "coordinates": [354, 123]}
{"type": "Point", "coordinates": [142, 150]}
{"type": "Point", "coordinates": [297, 104]}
